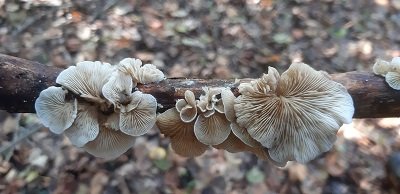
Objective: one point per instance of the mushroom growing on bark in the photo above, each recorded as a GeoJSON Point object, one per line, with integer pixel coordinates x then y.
{"type": "Point", "coordinates": [178, 124]}
{"type": "Point", "coordinates": [102, 114]}
{"type": "Point", "coordinates": [54, 110]}
{"type": "Point", "coordinates": [391, 71]}
{"type": "Point", "coordinates": [86, 79]}
{"type": "Point", "coordinates": [211, 126]}
{"type": "Point", "coordinates": [296, 115]}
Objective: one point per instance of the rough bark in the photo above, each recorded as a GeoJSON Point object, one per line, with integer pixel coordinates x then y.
{"type": "Point", "coordinates": [22, 80]}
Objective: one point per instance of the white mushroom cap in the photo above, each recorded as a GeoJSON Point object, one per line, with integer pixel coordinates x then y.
{"type": "Point", "coordinates": [187, 107]}
{"type": "Point", "coordinates": [381, 67]}
{"type": "Point", "coordinates": [183, 139]}
{"type": "Point", "coordinates": [54, 111]}
{"type": "Point", "coordinates": [132, 67]}
{"type": "Point", "coordinates": [299, 119]}
{"type": "Point", "coordinates": [87, 78]}
{"type": "Point", "coordinates": [145, 74]}
{"type": "Point", "coordinates": [212, 130]}
{"type": "Point", "coordinates": [150, 74]}
{"type": "Point", "coordinates": [142, 117]}
{"type": "Point", "coordinates": [85, 127]}
{"type": "Point", "coordinates": [109, 143]}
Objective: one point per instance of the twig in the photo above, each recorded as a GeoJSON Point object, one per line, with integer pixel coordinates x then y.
{"type": "Point", "coordinates": [21, 82]}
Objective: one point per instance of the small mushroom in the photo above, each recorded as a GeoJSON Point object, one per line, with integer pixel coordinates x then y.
{"type": "Point", "coordinates": [86, 79]}
{"type": "Point", "coordinates": [145, 74]}
{"type": "Point", "coordinates": [391, 71]}
{"type": "Point", "coordinates": [109, 143]}
{"type": "Point", "coordinates": [211, 126]}
{"type": "Point", "coordinates": [142, 117]}
{"type": "Point", "coordinates": [296, 115]}
{"type": "Point", "coordinates": [187, 107]}
{"type": "Point", "coordinates": [150, 74]}
{"type": "Point", "coordinates": [381, 67]}
{"type": "Point", "coordinates": [183, 139]}
{"type": "Point", "coordinates": [209, 103]}
{"type": "Point", "coordinates": [55, 110]}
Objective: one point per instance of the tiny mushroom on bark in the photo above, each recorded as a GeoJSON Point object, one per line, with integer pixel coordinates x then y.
{"type": "Point", "coordinates": [178, 124]}
{"type": "Point", "coordinates": [391, 71]}
{"type": "Point", "coordinates": [296, 115]}
{"type": "Point", "coordinates": [187, 107]}
{"type": "Point", "coordinates": [211, 126]}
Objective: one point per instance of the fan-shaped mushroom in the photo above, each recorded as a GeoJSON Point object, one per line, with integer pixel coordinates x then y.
{"type": "Point", "coordinates": [211, 126]}
{"type": "Point", "coordinates": [142, 117]}
{"type": "Point", "coordinates": [145, 74]}
{"type": "Point", "coordinates": [296, 116]}
{"type": "Point", "coordinates": [91, 121]}
{"type": "Point", "coordinates": [54, 110]}
{"type": "Point", "coordinates": [86, 79]}
{"type": "Point", "coordinates": [183, 139]}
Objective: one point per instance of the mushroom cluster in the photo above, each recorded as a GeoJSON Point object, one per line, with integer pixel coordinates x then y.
{"type": "Point", "coordinates": [390, 70]}
{"type": "Point", "coordinates": [290, 117]}
{"type": "Point", "coordinates": [295, 115]}
{"type": "Point", "coordinates": [96, 107]}
{"type": "Point", "coordinates": [195, 125]}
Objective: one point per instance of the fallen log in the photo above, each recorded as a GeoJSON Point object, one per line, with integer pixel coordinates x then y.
{"type": "Point", "coordinates": [22, 80]}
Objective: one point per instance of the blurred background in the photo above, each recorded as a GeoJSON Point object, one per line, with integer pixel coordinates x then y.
{"type": "Point", "coordinates": [200, 39]}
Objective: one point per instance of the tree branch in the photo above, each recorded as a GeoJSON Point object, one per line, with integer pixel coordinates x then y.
{"type": "Point", "coordinates": [22, 80]}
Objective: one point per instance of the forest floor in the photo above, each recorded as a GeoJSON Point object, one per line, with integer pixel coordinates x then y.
{"type": "Point", "coordinates": [200, 39]}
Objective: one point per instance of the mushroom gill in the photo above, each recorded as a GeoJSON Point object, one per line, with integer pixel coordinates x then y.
{"type": "Point", "coordinates": [181, 134]}
{"type": "Point", "coordinates": [54, 110]}
{"type": "Point", "coordinates": [297, 115]}
{"type": "Point", "coordinates": [211, 126]}
{"type": "Point", "coordinates": [86, 79]}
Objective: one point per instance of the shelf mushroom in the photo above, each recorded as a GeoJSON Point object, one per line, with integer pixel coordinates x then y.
{"type": "Point", "coordinates": [86, 79]}
{"type": "Point", "coordinates": [55, 110]}
{"type": "Point", "coordinates": [295, 115]}
{"type": "Point", "coordinates": [390, 70]}
{"type": "Point", "coordinates": [178, 124]}
{"type": "Point", "coordinates": [103, 115]}
{"type": "Point", "coordinates": [211, 126]}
